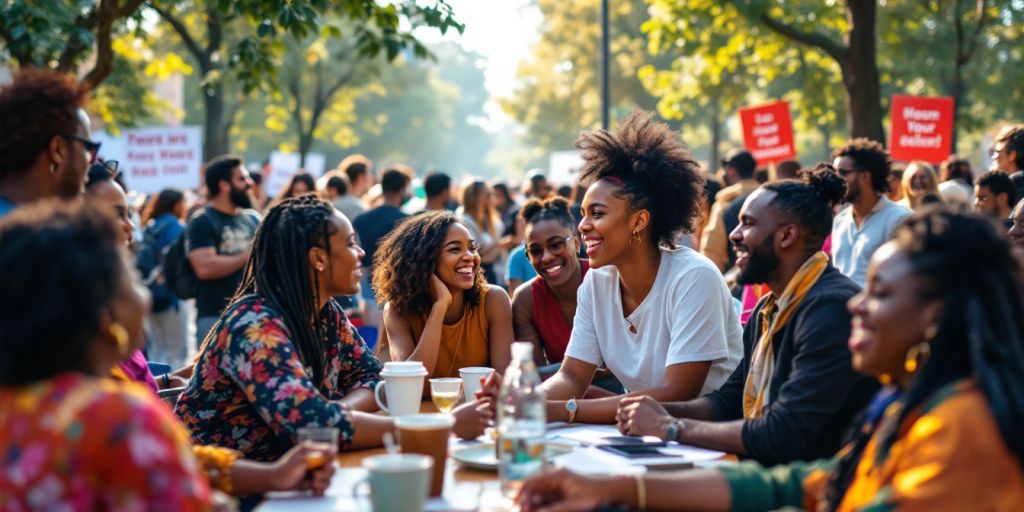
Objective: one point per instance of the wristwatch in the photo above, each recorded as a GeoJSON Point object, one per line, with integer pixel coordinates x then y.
{"type": "Point", "coordinates": [571, 407]}
{"type": "Point", "coordinates": [674, 429]}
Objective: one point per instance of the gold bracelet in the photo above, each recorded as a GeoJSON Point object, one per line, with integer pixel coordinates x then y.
{"type": "Point", "coordinates": [217, 463]}
{"type": "Point", "coordinates": [641, 492]}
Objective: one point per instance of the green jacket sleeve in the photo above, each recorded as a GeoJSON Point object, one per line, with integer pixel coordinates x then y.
{"type": "Point", "coordinates": [755, 488]}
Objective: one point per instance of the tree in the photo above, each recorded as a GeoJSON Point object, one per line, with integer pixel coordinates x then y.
{"type": "Point", "coordinates": [558, 92]}
{"type": "Point", "coordinates": [253, 58]}
{"type": "Point", "coordinates": [61, 34]}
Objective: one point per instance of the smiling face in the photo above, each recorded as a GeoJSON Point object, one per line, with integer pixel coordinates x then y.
{"type": "Point", "coordinates": [459, 262]}
{"type": "Point", "coordinates": [109, 196]}
{"type": "Point", "coordinates": [607, 224]}
{"type": "Point", "coordinates": [552, 247]}
{"type": "Point", "coordinates": [890, 316]}
{"type": "Point", "coordinates": [342, 270]}
{"type": "Point", "coordinates": [754, 239]}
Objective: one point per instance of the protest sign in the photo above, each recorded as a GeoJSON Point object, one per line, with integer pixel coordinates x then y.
{"type": "Point", "coordinates": [152, 159]}
{"type": "Point", "coordinates": [768, 132]}
{"type": "Point", "coordinates": [284, 165]}
{"type": "Point", "coordinates": [922, 128]}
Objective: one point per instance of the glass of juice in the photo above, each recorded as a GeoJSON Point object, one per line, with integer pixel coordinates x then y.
{"type": "Point", "coordinates": [317, 435]}
{"type": "Point", "coordinates": [445, 393]}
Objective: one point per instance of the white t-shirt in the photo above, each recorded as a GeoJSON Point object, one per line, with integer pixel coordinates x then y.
{"type": "Point", "coordinates": [688, 316]}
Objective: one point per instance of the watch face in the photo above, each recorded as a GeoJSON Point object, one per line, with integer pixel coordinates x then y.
{"type": "Point", "coordinates": [570, 405]}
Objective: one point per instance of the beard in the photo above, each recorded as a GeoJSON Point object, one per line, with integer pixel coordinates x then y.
{"type": "Point", "coordinates": [852, 192]}
{"type": "Point", "coordinates": [240, 198]}
{"type": "Point", "coordinates": [761, 263]}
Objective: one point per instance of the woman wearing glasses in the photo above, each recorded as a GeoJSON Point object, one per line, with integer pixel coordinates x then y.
{"type": "Point", "coordinates": [440, 310]}
{"type": "Point", "coordinates": [543, 307]}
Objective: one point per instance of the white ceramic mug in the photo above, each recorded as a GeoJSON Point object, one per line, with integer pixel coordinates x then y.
{"type": "Point", "coordinates": [471, 380]}
{"type": "Point", "coordinates": [403, 386]}
{"type": "Point", "coordinates": [397, 482]}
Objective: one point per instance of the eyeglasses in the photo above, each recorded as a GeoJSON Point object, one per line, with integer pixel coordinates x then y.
{"type": "Point", "coordinates": [92, 148]}
{"type": "Point", "coordinates": [556, 248]}
{"type": "Point", "coordinates": [103, 170]}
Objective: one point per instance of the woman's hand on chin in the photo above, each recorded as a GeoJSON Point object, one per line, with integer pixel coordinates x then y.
{"type": "Point", "coordinates": [439, 291]}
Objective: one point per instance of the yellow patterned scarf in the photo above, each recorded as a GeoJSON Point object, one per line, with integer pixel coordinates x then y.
{"type": "Point", "coordinates": [774, 315]}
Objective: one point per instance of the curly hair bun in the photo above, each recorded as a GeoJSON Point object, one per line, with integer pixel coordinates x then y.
{"type": "Point", "coordinates": [827, 183]}
{"type": "Point", "coordinates": [535, 206]}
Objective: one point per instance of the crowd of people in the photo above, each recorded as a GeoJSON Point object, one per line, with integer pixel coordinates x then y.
{"type": "Point", "coordinates": [851, 329]}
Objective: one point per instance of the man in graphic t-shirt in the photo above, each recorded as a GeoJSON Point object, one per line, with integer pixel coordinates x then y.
{"type": "Point", "coordinates": [218, 238]}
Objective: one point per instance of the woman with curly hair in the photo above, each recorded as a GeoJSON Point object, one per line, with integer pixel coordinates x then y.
{"type": "Point", "coordinates": [660, 317]}
{"type": "Point", "coordinates": [941, 325]}
{"type": "Point", "coordinates": [440, 310]}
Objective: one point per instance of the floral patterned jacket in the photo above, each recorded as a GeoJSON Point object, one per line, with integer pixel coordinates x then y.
{"type": "Point", "coordinates": [251, 392]}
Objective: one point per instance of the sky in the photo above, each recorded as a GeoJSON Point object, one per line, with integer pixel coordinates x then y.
{"type": "Point", "coordinates": [502, 31]}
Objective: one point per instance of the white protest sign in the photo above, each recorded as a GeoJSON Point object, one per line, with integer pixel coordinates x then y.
{"type": "Point", "coordinates": [284, 165]}
{"type": "Point", "coordinates": [564, 167]}
{"type": "Point", "coordinates": [152, 159]}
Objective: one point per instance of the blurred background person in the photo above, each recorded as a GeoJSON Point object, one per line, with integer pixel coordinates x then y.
{"type": "Point", "coordinates": [163, 219]}
{"type": "Point", "coordinates": [359, 171]}
{"type": "Point", "coordinates": [956, 181]}
{"type": "Point", "coordinates": [481, 218]}
{"type": "Point", "coordinates": [1016, 232]}
{"type": "Point", "coordinates": [994, 196]}
{"type": "Point", "coordinates": [438, 188]}
{"type": "Point", "coordinates": [371, 227]}
{"type": "Point", "coordinates": [1008, 154]}
{"type": "Point", "coordinates": [895, 180]}
{"type": "Point", "coordinates": [739, 167]}
{"type": "Point", "coordinates": [919, 180]}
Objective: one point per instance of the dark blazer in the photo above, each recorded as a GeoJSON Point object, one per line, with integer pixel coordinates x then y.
{"type": "Point", "coordinates": [815, 393]}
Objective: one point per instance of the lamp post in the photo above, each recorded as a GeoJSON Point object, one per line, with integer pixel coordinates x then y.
{"type": "Point", "coordinates": [605, 68]}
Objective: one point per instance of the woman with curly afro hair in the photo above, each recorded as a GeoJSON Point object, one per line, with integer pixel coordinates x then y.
{"type": "Point", "coordinates": [440, 310]}
{"type": "Point", "coordinates": [660, 317]}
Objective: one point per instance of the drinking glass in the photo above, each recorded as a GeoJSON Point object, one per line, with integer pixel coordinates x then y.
{"type": "Point", "coordinates": [318, 435]}
{"type": "Point", "coordinates": [445, 393]}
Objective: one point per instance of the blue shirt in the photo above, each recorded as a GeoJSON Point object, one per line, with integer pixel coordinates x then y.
{"type": "Point", "coordinates": [5, 207]}
{"type": "Point", "coordinates": [852, 246]}
{"type": "Point", "coordinates": [519, 266]}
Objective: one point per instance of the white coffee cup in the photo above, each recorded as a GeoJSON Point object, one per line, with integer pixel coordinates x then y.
{"type": "Point", "coordinates": [471, 380]}
{"type": "Point", "coordinates": [403, 385]}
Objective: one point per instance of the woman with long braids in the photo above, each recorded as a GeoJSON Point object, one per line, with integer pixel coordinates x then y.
{"type": "Point", "coordinates": [283, 355]}
{"type": "Point", "coordinates": [941, 324]}
{"type": "Point", "coordinates": [440, 310]}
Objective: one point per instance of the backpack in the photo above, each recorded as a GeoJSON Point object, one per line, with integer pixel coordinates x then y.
{"type": "Point", "coordinates": [179, 276]}
{"type": "Point", "coordinates": [150, 260]}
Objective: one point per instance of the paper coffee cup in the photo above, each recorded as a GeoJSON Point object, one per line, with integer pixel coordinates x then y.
{"type": "Point", "coordinates": [427, 434]}
{"type": "Point", "coordinates": [403, 387]}
{"type": "Point", "coordinates": [471, 380]}
{"type": "Point", "coordinates": [398, 482]}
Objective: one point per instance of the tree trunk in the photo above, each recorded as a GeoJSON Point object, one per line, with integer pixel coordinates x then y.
{"type": "Point", "coordinates": [216, 142]}
{"type": "Point", "coordinates": [956, 91]}
{"type": "Point", "coordinates": [859, 67]}
{"type": "Point", "coordinates": [716, 133]}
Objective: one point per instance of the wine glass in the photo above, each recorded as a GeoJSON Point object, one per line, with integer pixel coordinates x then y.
{"type": "Point", "coordinates": [445, 392]}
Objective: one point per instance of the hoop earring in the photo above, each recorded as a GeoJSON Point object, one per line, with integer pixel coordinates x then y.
{"type": "Point", "coordinates": [634, 240]}
{"type": "Point", "coordinates": [917, 356]}
{"type": "Point", "coordinates": [120, 335]}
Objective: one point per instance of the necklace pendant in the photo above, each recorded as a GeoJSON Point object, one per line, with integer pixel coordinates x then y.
{"type": "Point", "coordinates": [632, 328]}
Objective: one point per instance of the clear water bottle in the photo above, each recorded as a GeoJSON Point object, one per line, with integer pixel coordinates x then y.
{"type": "Point", "coordinates": [521, 421]}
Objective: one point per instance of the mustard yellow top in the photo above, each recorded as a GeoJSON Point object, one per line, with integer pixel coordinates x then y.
{"type": "Point", "coordinates": [464, 343]}
{"type": "Point", "coordinates": [951, 457]}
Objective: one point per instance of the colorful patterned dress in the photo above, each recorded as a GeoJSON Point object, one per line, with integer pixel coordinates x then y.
{"type": "Point", "coordinates": [948, 456]}
{"type": "Point", "coordinates": [81, 443]}
{"type": "Point", "coordinates": [250, 391]}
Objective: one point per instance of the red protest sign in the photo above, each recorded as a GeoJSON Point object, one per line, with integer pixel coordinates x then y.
{"type": "Point", "coordinates": [922, 128]}
{"type": "Point", "coordinates": [768, 132]}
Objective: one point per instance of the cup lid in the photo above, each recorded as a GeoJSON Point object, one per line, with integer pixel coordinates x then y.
{"type": "Point", "coordinates": [404, 368]}
{"type": "Point", "coordinates": [476, 369]}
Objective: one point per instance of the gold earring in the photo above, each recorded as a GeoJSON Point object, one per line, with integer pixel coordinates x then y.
{"type": "Point", "coordinates": [885, 379]}
{"type": "Point", "coordinates": [120, 335]}
{"type": "Point", "coordinates": [634, 241]}
{"type": "Point", "coordinates": [916, 356]}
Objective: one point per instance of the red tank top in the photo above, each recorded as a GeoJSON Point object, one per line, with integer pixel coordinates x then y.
{"type": "Point", "coordinates": [554, 331]}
